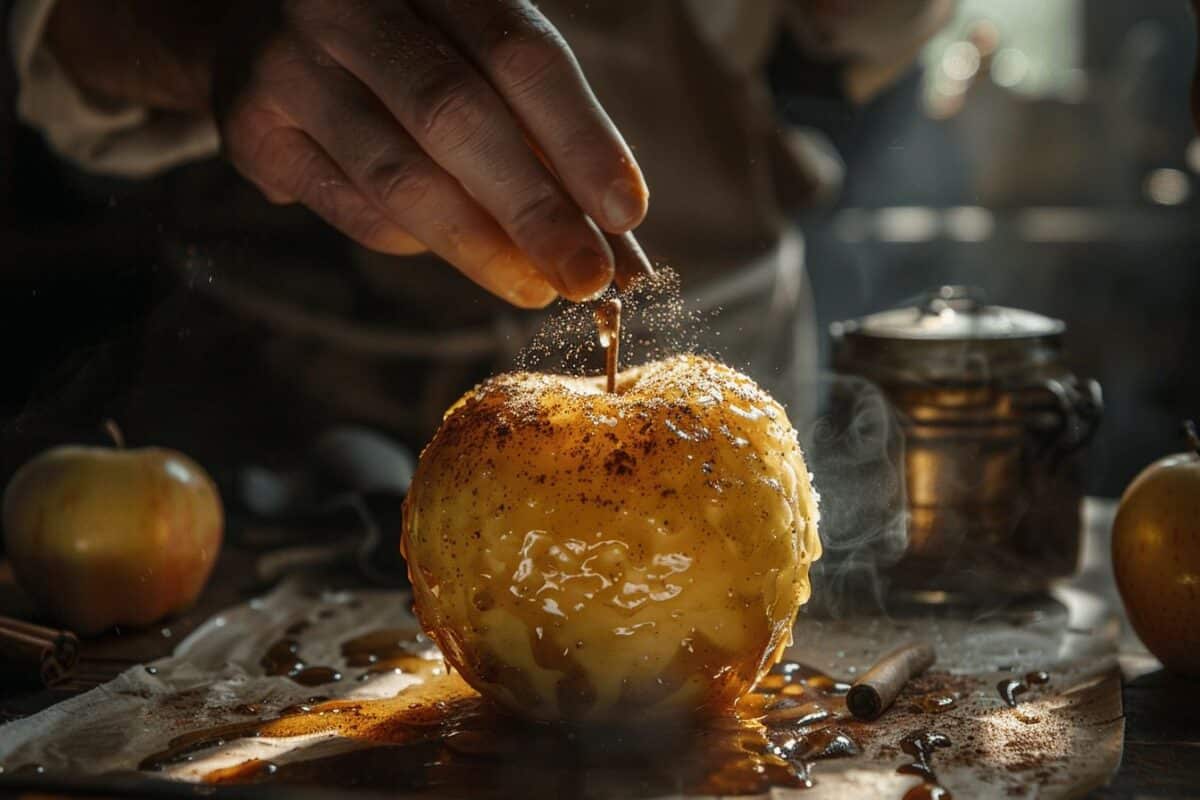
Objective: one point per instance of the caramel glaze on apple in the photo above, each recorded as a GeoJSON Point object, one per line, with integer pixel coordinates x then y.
{"type": "Point", "coordinates": [582, 555]}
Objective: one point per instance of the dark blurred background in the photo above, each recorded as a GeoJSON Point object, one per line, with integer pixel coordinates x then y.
{"type": "Point", "coordinates": [1045, 153]}
{"type": "Point", "coordinates": [1041, 150]}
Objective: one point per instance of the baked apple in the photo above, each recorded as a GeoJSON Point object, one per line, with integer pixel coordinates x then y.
{"type": "Point", "coordinates": [580, 554]}
{"type": "Point", "coordinates": [1156, 558]}
{"type": "Point", "coordinates": [100, 536]}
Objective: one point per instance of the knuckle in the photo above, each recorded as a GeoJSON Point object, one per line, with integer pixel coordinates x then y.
{"type": "Point", "coordinates": [255, 78]}
{"type": "Point", "coordinates": [446, 108]}
{"type": "Point", "coordinates": [348, 211]}
{"type": "Point", "coordinates": [399, 184]}
{"type": "Point", "coordinates": [370, 228]}
{"type": "Point", "coordinates": [280, 154]}
{"type": "Point", "coordinates": [278, 55]}
{"type": "Point", "coordinates": [270, 155]}
{"type": "Point", "coordinates": [523, 55]}
{"type": "Point", "coordinates": [328, 194]}
{"type": "Point", "coordinates": [590, 144]}
{"type": "Point", "coordinates": [540, 209]}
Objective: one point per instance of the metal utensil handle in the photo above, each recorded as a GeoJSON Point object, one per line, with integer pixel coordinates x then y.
{"type": "Point", "coordinates": [1080, 406]}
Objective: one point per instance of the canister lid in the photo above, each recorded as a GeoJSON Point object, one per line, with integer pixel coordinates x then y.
{"type": "Point", "coordinates": [951, 335]}
{"type": "Point", "coordinates": [957, 313]}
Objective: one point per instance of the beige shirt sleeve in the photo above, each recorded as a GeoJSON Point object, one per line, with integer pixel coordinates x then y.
{"type": "Point", "coordinates": [119, 140]}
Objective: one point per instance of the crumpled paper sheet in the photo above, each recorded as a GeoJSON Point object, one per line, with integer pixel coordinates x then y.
{"type": "Point", "coordinates": [1065, 740]}
{"type": "Point", "coordinates": [213, 671]}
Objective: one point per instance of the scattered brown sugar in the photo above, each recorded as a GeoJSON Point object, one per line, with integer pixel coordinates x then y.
{"type": "Point", "coordinates": [656, 323]}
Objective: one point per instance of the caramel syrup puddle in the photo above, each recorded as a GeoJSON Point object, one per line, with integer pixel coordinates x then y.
{"type": "Point", "coordinates": [921, 745]}
{"type": "Point", "coordinates": [1009, 688]}
{"type": "Point", "coordinates": [409, 716]}
{"type": "Point", "coordinates": [934, 703]}
{"type": "Point", "coordinates": [248, 771]}
{"type": "Point", "coordinates": [283, 658]}
{"type": "Point", "coordinates": [443, 737]}
{"type": "Point", "coordinates": [389, 651]}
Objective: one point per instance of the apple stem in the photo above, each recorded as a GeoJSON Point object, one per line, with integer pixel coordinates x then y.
{"type": "Point", "coordinates": [114, 433]}
{"type": "Point", "coordinates": [1193, 438]}
{"type": "Point", "coordinates": [608, 325]}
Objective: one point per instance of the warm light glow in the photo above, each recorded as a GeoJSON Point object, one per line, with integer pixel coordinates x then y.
{"type": "Point", "coordinates": [1193, 155]}
{"type": "Point", "coordinates": [1010, 67]}
{"type": "Point", "coordinates": [1167, 187]}
{"type": "Point", "coordinates": [961, 61]}
{"type": "Point", "coordinates": [907, 224]}
{"type": "Point", "coordinates": [969, 223]}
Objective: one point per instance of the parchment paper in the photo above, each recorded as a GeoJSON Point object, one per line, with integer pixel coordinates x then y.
{"type": "Point", "coordinates": [1064, 739]}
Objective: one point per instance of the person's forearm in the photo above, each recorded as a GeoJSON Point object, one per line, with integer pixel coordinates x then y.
{"type": "Point", "coordinates": [138, 52]}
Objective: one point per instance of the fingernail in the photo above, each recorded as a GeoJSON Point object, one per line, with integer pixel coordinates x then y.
{"type": "Point", "coordinates": [624, 205]}
{"type": "Point", "coordinates": [586, 273]}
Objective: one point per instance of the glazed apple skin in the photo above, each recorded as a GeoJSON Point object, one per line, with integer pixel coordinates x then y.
{"type": "Point", "coordinates": [581, 555]}
{"type": "Point", "coordinates": [101, 537]}
{"type": "Point", "coordinates": [1156, 560]}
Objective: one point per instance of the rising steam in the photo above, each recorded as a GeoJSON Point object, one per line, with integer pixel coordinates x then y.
{"type": "Point", "coordinates": [855, 450]}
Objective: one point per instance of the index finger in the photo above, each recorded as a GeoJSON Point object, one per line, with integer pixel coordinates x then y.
{"type": "Point", "coordinates": [530, 65]}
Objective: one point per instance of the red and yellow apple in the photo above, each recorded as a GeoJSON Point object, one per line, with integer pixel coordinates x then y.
{"type": "Point", "coordinates": [1156, 559]}
{"type": "Point", "coordinates": [585, 555]}
{"type": "Point", "coordinates": [100, 537]}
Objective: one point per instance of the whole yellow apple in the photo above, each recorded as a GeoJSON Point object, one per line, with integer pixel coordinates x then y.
{"type": "Point", "coordinates": [1156, 558]}
{"type": "Point", "coordinates": [589, 555]}
{"type": "Point", "coordinates": [100, 537]}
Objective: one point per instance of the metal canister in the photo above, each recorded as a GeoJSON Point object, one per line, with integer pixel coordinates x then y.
{"type": "Point", "coordinates": [994, 425]}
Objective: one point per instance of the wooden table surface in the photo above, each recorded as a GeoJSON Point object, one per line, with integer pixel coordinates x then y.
{"type": "Point", "coordinates": [1162, 712]}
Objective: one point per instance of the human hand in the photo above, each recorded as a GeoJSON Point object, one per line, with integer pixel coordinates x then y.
{"type": "Point", "coordinates": [423, 124]}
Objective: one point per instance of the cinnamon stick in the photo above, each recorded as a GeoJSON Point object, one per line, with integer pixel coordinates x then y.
{"type": "Point", "coordinates": [36, 653]}
{"type": "Point", "coordinates": [630, 260]}
{"type": "Point", "coordinates": [878, 687]}
{"type": "Point", "coordinates": [608, 325]}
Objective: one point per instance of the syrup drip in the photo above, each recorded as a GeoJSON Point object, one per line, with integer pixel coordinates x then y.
{"type": "Point", "coordinates": [316, 676]}
{"type": "Point", "coordinates": [922, 745]}
{"type": "Point", "coordinates": [928, 791]}
{"type": "Point", "coordinates": [297, 628]}
{"type": "Point", "coordinates": [412, 665]}
{"type": "Point", "coordinates": [442, 737]}
{"type": "Point", "coordinates": [28, 769]}
{"type": "Point", "coordinates": [389, 651]}
{"type": "Point", "coordinates": [282, 658]}
{"type": "Point", "coordinates": [376, 646]}
{"type": "Point", "coordinates": [810, 677]}
{"type": "Point", "coordinates": [608, 327]}
{"type": "Point", "coordinates": [935, 703]}
{"type": "Point", "coordinates": [1009, 688]}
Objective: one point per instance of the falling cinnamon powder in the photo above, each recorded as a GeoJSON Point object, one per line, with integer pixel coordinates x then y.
{"type": "Point", "coordinates": [656, 320]}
